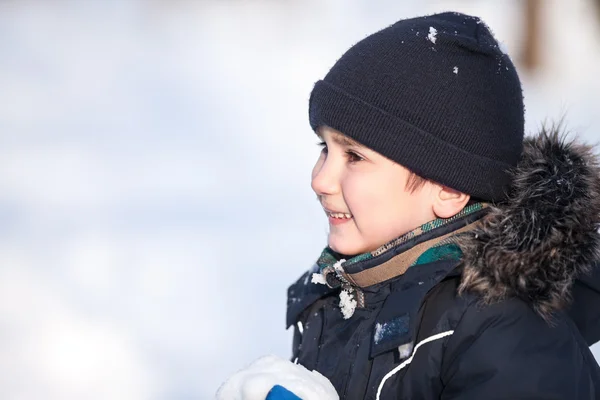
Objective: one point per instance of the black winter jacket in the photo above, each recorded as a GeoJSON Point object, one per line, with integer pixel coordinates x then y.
{"type": "Point", "coordinates": [510, 317]}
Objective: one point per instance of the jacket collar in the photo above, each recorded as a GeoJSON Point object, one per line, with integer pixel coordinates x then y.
{"type": "Point", "coordinates": [433, 241]}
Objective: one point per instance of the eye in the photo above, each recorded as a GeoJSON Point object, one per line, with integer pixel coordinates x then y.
{"type": "Point", "coordinates": [323, 147]}
{"type": "Point", "coordinates": [353, 157]}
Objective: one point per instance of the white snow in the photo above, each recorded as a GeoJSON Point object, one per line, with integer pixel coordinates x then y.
{"type": "Point", "coordinates": [378, 332]}
{"type": "Point", "coordinates": [338, 265]}
{"type": "Point", "coordinates": [318, 279]}
{"type": "Point", "coordinates": [381, 330]}
{"type": "Point", "coordinates": [255, 381]}
{"type": "Point", "coordinates": [502, 47]}
{"type": "Point", "coordinates": [347, 303]}
{"type": "Point", "coordinates": [405, 350]}
{"type": "Point", "coordinates": [455, 70]}
{"type": "Point", "coordinates": [432, 34]}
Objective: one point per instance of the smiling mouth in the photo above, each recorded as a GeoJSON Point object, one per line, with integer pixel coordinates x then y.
{"type": "Point", "coordinates": [338, 215]}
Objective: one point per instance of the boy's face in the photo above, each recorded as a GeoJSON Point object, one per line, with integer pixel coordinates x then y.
{"type": "Point", "coordinates": [364, 195]}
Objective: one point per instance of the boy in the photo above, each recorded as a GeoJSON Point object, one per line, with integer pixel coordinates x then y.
{"type": "Point", "coordinates": [454, 244]}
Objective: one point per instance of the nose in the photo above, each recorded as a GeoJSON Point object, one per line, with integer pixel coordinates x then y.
{"type": "Point", "coordinates": [326, 177]}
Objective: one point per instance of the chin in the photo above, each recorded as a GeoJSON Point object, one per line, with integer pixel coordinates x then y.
{"type": "Point", "coordinates": [345, 249]}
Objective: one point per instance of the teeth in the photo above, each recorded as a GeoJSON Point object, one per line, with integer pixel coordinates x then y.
{"type": "Point", "coordinates": [340, 215]}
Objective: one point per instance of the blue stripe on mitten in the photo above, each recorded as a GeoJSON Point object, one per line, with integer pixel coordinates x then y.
{"type": "Point", "coordinates": [280, 393]}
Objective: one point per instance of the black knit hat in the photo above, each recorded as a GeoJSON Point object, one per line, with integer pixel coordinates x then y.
{"type": "Point", "coordinates": [437, 95]}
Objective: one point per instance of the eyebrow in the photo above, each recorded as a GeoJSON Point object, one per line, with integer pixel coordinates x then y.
{"type": "Point", "coordinates": [345, 141]}
{"type": "Point", "coordinates": [342, 140]}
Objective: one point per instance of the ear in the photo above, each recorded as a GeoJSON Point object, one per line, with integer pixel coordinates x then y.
{"type": "Point", "coordinates": [449, 202]}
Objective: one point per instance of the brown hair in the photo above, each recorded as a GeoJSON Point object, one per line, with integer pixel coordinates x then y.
{"type": "Point", "coordinates": [416, 182]}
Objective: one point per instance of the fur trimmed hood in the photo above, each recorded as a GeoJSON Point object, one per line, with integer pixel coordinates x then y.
{"type": "Point", "coordinates": [537, 243]}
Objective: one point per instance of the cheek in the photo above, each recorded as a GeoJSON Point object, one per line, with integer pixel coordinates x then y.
{"type": "Point", "coordinates": [376, 204]}
{"type": "Point", "coordinates": [362, 198]}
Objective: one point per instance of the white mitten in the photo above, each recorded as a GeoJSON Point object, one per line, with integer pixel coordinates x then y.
{"type": "Point", "coordinates": [255, 381]}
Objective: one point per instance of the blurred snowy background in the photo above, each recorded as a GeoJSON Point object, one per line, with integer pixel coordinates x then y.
{"type": "Point", "coordinates": [155, 160]}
